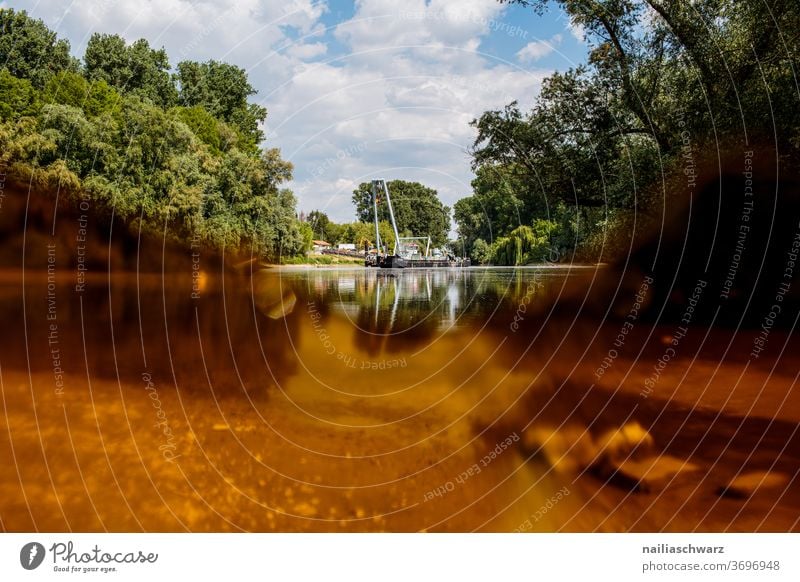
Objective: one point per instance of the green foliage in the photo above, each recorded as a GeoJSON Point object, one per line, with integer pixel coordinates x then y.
{"type": "Point", "coordinates": [306, 235]}
{"type": "Point", "coordinates": [386, 232]}
{"type": "Point", "coordinates": [29, 50]}
{"type": "Point", "coordinates": [595, 147]}
{"type": "Point", "coordinates": [18, 98]}
{"type": "Point", "coordinates": [501, 201]}
{"type": "Point", "coordinates": [322, 260]}
{"type": "Point", "coordinates": [417, 209]}
{"type": "Point", "coordinates": [481, 252]}
{"type": "Point", "coordinates": [524, 245]}
{"type": "Point", "coordinates": [222, 90]}
{"type": "Point", "coordinates": [115, 134]}
{"type": "Point", "coordinates": [357, 233]}
{"type": "Point", "coordinates": [94, 98]}
{"type": "Point", "coordinates": [136, 69]}
{"type": "Point", "coordinates": [605, 241]}
{"type": "Point", "coordinates": [82, 145]}
{"type": "Point", "coordinates": [319, 223]}
{"type": "Point", "coordinates": [206, 127]}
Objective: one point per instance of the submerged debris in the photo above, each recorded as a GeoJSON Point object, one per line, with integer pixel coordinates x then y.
{"type": "Point", "coordinates": [624, 457]}
{"type": "Point", "coordinates": [651, 474]}
{"type": "Point", "coordinates": [568, 449]}
{"type": "Point", "coordinates": [745, 485]}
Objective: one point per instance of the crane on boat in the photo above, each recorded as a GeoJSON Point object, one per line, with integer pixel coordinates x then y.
{"type": "Point", "coordinates": [405, 252]}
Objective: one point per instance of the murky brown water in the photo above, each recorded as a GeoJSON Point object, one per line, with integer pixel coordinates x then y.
{"type": "Point", "coordinates": [363, 400]}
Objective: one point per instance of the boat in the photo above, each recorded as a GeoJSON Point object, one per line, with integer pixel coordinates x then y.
{"type": "Point", "coordinates": [405, 251]}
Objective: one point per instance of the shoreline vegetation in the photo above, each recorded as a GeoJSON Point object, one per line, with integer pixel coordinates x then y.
{"type": "Point", "coordinates": [121, 133]}
{"type": "Point", "coordinates": [609, 147]}
{"type": "Point", "coordinates": [320, 261]}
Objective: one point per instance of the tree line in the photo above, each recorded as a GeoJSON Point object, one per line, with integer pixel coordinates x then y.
{"type": "Point", "coordinates": [418, 211]}
{"type": "Point", "coordinates": [180, 149]}
{"type": "Point", "coordinates": [168, 151]}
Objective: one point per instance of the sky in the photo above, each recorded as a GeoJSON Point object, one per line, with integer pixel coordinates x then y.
{"type": "Point", "coordinates": [354, 90]}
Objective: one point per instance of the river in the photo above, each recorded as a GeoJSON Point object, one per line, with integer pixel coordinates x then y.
{"type": "Point", "coordinates": [310, 399]}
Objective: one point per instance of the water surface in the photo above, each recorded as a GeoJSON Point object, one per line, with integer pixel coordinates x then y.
{"type": "Point", "coordinates": [368, 400]}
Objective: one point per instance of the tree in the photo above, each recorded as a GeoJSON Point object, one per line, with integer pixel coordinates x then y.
{"type": "Point", "coordinates": [357, 233]}
{"type": "Point", "coordinates": [665, 80]}
{"type": "Point", "coordinates": [569, 144]}
{"type": "Point", "coordinates": [68, 88]}
{"type": "Point", "coordinates": [18, 98]}
{"type": "Point", "coordinates": [387, 234]}
{"type": "Point", "coordinates": [223, 91]}
{"type": "Point", "coordinates": [216, 134]}
{"type": "Point", "coordinates": [502, 199]}
{"type": "Point", "coordinates": [112, 133]}
{"type": "Point", "coordinates": [524, 245]}
{"type": "Point", "coordinates": [307, 236]}
{"type": "Point", "coordinates": [481, 252]}
{"type": "Point", "coordinates": [722, 61]}
{"type": "Point", "coordinates": [29, 50]}
{"type": "Point", "coordinates": [613, 25]}
{"type": "Point", "coordinates": [136, 69]}
{"type": "Point", "coordinates": [417, 209]}
{"type": "Point", "coordinates": [319, 223]}
{"type": "Point", "coordinates": [82, 145]}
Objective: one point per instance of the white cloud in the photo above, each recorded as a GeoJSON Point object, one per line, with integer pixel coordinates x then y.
{"type": "Point", "coordinates": [221, 29]}
{"type": "Point", "coordinates": [386, 23]}
{"type": "Point", "coordinates": [533, 51]}
{"type": "Point", "coordinates": [307, 51]}
{"type": "Point", "coordinates": [406, 121]}
{"type": "Point", "coordinates": [578, 31]}
{"type": "Point", "coordinates": [399, 105]}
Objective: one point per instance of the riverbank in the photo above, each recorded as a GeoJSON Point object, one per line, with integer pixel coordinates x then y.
{"type": "Point", "coordinates": [321, 260]}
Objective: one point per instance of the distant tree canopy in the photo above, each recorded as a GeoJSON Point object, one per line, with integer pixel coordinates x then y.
{"type": "Point", "coordinates": [417, 209]}
{"type": "Point", "coordinates": [29, 50]}
{"type": "Point", "coordinates": [223, 91]}
{"type": "Point", "coordinates": [17, 97]}
{"type": "Point", "coordinates": [501, 199]}
{"type": "Point", "coordinates": [136, 69]}
{"type": "Point", "coordinates": [357, 233]}
{"type": "Point", "coordinates": [664, 79]}
{"type": "Point", "coordinates": [320, 225]}
{"type": "Point", "coordinates": [118, 130]}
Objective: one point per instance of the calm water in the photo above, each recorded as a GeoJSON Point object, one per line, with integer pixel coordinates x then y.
{"type": "Point", "coordinates": [367, 400]}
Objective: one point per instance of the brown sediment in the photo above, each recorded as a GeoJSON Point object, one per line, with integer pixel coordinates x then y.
{"type": "Point", "coordinates": [215, 417]}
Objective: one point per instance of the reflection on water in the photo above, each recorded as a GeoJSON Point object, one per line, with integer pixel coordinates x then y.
{"type": "Point", "coordinates": [364, 399]}
{"type": "Point", "coordinates": [408, 305]}
{"type": "Point", "coordinates": [436, 299]}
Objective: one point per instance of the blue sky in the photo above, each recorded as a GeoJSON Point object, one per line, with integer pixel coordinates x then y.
{"type": "Point", "coordinates": [354, 90]}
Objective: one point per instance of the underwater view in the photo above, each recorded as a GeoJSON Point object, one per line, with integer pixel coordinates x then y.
{"type": "Point", "coordinates": [352, 399]}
